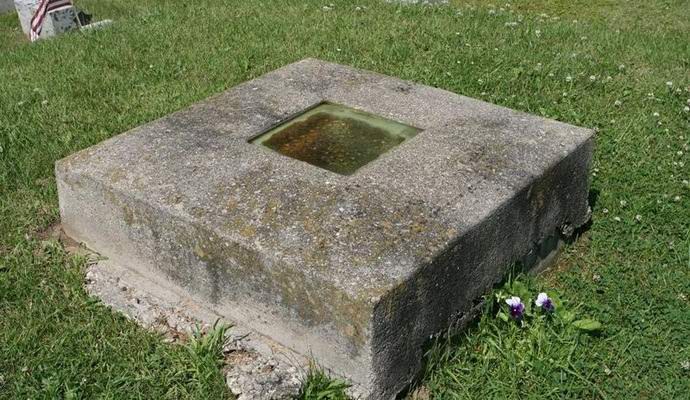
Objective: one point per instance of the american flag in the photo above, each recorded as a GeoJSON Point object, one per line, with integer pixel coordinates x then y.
{"type": "Point", "coordinates": [44, 7]}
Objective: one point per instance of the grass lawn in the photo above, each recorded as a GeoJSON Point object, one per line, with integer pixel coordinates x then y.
{"type": "Point", "coordinates": [620, 66]}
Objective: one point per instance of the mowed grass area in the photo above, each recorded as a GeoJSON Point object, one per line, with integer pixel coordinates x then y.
{"type": "Point", "coordinates": [620, 66]}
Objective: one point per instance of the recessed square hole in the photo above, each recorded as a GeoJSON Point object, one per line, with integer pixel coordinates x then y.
{"type": "Point", "coordinates": [335, 137]}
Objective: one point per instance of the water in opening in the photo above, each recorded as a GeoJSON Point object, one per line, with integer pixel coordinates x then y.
{"type": "Point", "coordinates": [335, 137]}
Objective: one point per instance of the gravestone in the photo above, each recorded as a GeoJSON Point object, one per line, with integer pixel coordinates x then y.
{"type": "Point", "coordinates": [56, 22]}
{"type": "Point", "coordinates": [345, 214]}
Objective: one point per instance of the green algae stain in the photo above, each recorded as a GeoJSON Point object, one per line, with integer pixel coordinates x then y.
{"type": "Point", "coordinates": [311, 302]}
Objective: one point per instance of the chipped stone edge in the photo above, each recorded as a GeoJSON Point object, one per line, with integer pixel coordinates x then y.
{"type": "Point", "coordinates": [256, 368]}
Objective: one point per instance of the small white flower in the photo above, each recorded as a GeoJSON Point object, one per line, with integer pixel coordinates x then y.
{"type": "Point", "coordinates": [621, 67]}
{"type": "Point", "coordinates": [544, 302]}
{"type": "Point", "coordinates": [623, 203]}
{"type": "Point", "coordinates": [686, 109]}
{"type": "Point", "coordinates": [517, 309]}
{"type": "Point", "coordinates": [596, 277]}
{"type": "Point", "coordinates": [685, 365]}
{"type": "Point", "coordinates": [605, 211]}
{"type": "Point", "coordinates": [568, 78]}
{"type": "Point", "coordinates": [537, 32]}
{"type": "Point", "coordinates": [592, 78]}
{"type": "Point", "coordinates": [617, 219]}
{"type": "Point", "coordinates": [513, 301]}
{"type": "Point", "coordinates": [676, 199]}
{"type": "Point", "coordinates": [656, 114]}
{"type": "Point", "coordinates": [638, 218]}
{"type": "Point", "coordinates": [44, 102]}
{"type": "Point", "coordinates": [617, 103]}
{"type": "Point", "coordinates": [669, 84]}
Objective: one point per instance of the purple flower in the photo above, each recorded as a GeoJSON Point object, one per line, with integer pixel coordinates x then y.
{"type": "Point", "coordinates": [545, 302]}
{"type": "Point", "coordinates": [516, 307]}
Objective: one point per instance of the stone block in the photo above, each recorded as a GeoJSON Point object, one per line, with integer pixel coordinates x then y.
{"type": "Point", "coordinates": [359, 268]}
{"type": "Point", "coordinates": [56, 22]}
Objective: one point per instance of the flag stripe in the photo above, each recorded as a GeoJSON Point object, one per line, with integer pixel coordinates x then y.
{"type": "Point", "coordinates": [57, 4]}
{"type": "Point", "coordinates": [44, 7]}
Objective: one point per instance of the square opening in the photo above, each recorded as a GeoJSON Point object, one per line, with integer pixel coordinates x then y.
{"type": "Point", "coordinates": [335, 137]}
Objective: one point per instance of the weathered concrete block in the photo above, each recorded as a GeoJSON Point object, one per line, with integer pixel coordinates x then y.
{"type": "Point", "coordinates": [357, 270]}
{"type": "Point", "coordinates": [56, 22]}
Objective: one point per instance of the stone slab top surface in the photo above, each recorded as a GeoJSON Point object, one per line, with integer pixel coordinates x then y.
{"type": "Point", "coordinates": [362, 233]}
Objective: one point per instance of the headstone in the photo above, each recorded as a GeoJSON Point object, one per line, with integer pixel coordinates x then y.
{"type": "Point", "coordinates": [56, 22]}
{"type": "Point", "coordinates": [347, 215]}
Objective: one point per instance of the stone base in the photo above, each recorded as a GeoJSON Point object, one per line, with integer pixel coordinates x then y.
{"type": "Point", "coordinates": [256, 368]}
{"type": "Point", "coordinates": [357, 270]}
